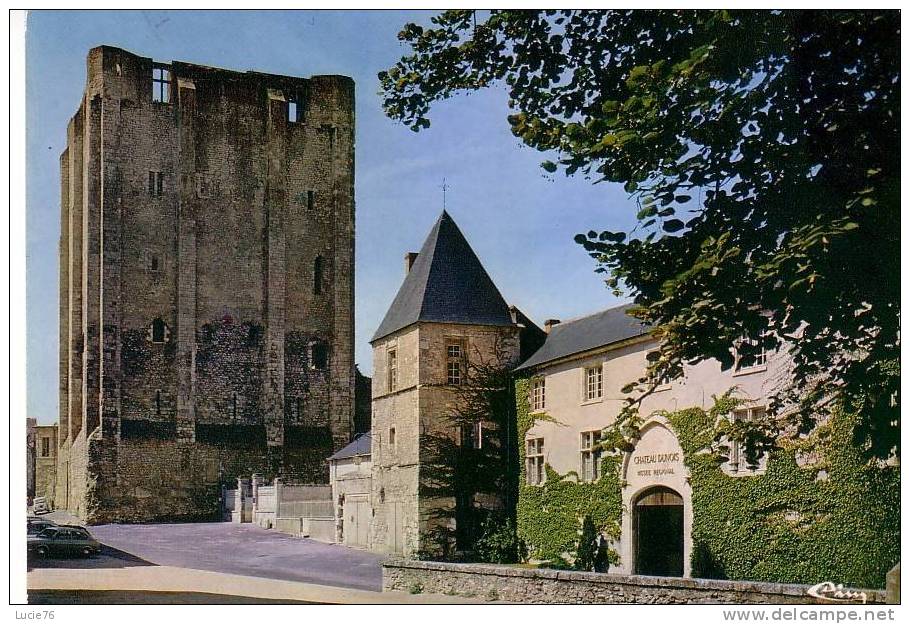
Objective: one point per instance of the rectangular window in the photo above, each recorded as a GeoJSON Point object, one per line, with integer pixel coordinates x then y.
{"type": "Point", "coordinates": [161, 85]}
{"type": "Point", "coordinates": [749, 353]}
{"type": "Point", "coordinates": [156, 183]}
{"type": "Point", "coordinates": [539, 394]}
{"type": "Point", "coordinates": [470, 436]}
{"type": "Point", "coordinates": [310, 199]}
{"type": "Point", "coordinates": [392, 363]}
{"type": "Point", "coordinates": [594, 383]}
{"type": "Point", "coordinates": [590, 455]}
{"type": "Point", "coordinates": [319, 354]}
{"type": "Point", "coordinates": [392, 437]}
{"type": "Point", "coordinates": [453, 373]}
{"type": "Point", "coordinates": [292, 111]}
{"type": "Point", "coordinates": [45, 447]}
{"type": "Point", "coordinates": [534, 464]}
{"type": "Point", "coordinates": [454, 363]}
{"type": "Point", "coordinates": [158, 328]}
{"type": "Point", "coordinates": [475, 436]}
{"type": "Point", "coordinates": [747, 414]}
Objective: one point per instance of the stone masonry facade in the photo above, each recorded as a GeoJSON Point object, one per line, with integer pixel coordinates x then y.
{"type": "Point", "coordinates": [45, 460]}
{"type": "Point", "coordinates": [544, 586]}
{"type": "Point", "coordinates": [206, 285]}
{"type": "Point", "coordinates": [418, 405]}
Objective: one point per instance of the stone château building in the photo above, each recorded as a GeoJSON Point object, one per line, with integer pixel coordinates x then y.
{"type": "Point", "coordinates": [206, 284]}
{"type": "Point", "coordinates": [575, 391]}
{"type": "Point", "coordinates": [447, 313]}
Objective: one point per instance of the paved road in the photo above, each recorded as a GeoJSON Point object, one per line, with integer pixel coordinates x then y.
{"type": "Point", "coordinates": [76, 596]}
{"type": "Point", "coordinates": [229, 548]}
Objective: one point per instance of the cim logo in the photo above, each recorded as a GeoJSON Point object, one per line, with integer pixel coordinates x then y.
{"type": "Point", "coordinates": [830, 592]}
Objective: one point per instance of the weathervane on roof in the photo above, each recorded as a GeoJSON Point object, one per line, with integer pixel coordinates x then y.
{"type": "Point", "coordinates": [444, 188]}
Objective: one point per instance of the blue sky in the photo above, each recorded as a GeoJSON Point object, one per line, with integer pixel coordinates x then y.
{"type": "Point", "coordinates": [520, 221]}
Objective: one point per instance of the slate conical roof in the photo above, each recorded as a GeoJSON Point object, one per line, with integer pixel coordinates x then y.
{"type": "Point", "coordinates": [446, 284]}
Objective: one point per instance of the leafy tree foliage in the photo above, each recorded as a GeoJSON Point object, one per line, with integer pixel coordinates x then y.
{"type": "Point", "coordinates": [468, 479]}
{"type": "Point", "coordinates": [499, 541]}
{"type": "Point", "coordinates": [763, 151]}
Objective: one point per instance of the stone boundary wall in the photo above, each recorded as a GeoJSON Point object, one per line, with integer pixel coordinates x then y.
{"type": "Point", "coordinates": [526, 585]}
{"type": "Point", "coordinates": [305, 492]}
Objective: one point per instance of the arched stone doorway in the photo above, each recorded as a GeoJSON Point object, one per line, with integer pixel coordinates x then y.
{"type": "Point", "coordinates": [656, 464]}
{"type": "Point", "coordinates": [658, 518]}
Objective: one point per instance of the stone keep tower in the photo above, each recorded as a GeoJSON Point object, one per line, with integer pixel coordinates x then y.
{"type": "Point", "coordinates": [446, 312]}
{"type": "Point", "coordinates": [206, 284]}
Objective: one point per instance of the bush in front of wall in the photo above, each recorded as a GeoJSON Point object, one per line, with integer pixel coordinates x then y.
{"type": "Point", "coordinates": [499, 541]}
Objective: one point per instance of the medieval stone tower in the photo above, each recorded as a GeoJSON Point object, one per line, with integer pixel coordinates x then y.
{"type": "Point", "coordinates": [206, 284]}
{"type": "Point", "coordinates": [447, 312]}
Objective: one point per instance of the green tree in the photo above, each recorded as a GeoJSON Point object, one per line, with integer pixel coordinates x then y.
{"type": "Point", "coordinates": [588, 546]}
{"type": "Point", "coordinates": [763, 151]}
{"type": "Point", "coordinates": [468, 478]}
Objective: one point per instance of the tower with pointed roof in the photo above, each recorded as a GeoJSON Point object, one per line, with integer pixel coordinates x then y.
{"type": "Point", "coordinates": [447, 313]}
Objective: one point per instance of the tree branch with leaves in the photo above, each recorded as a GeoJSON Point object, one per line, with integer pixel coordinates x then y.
{"type": "Point", "coordinates": [762, 152]}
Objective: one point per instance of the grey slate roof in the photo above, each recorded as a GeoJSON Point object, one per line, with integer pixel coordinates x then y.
{"type": "Point", "coordinates": [360, 446]}
{"type": "Point", "coordinates": [586, 333]}
{"type": "Point", "coordinates": [446, 284]}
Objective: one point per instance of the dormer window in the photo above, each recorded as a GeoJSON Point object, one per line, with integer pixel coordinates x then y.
{"type": "Point", "coordinates": [161, 85]}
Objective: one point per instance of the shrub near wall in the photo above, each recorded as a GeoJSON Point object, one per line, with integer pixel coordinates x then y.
{"type": "Point", "coordinates": [836, 518]}
{"type": "Point", "coordinates": [833, 518]}
{"type": "Point", "coordinates": [549, 517]}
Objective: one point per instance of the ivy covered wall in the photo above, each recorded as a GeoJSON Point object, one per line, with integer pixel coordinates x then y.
{"type": "Point", "coordinates": [829, 516]}
{"type": "Point", "coordinates": [549, 517]}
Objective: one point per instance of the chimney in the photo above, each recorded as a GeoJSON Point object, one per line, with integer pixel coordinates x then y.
{"type": "Point", "coordinates": [409, 259]}
{"type": "Point", "coordinates": [550, 324]}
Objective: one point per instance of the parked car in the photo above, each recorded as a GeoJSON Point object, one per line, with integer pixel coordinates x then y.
{"type": "Point", "coordinates": [36, 525]}
{"type": "Point", "coordinates": [40, 505]}
{"type": "Point", "coordinates": [63, 540]}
